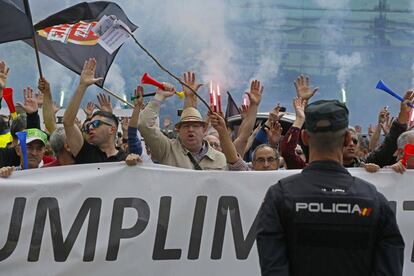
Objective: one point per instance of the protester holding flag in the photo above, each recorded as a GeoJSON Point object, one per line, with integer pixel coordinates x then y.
{"type": "Point", "coordinates": [102, 127]}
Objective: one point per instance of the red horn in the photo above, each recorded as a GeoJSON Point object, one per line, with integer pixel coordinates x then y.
{"type": "Point", "coordinates": [8, 97]}
{"type": "Point", "coordinates": [147, 79]}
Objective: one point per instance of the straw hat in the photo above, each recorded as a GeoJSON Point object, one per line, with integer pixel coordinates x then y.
{"type": "Point", "coordinates": [190, 114]}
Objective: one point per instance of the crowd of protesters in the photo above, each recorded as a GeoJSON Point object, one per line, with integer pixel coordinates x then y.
{"type": "Point", "coordinates": [194, 142]}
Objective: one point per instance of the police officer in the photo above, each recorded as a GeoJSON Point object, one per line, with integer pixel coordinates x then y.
{"type": "Point", "coordinates": [323, 221]}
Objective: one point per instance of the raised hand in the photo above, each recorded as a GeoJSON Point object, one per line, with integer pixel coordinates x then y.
{"type": "Point", "coordinates": [404, 115]}
{"type": "Point", "coordinates": [168, 92]}
{"type": "Point", "coordinates": [30, 103]}
{"type": "Point", "coordinates": [243, 111]}
{"type": "Point", "coordinates": [88, 73]}
{"type": "Point", "coordinates": [90, 107]}
{"type": "Point", "coordinates": [139, 97]}
{"type": "Point", "coordinates": [274, 115]}
{"type": "Point", "coordinates": [274, 133]}
{"type": "Point", "coordinates": [256, 91]}
{"type": "Point", "coordinates": [43, 86]}
{"type": "Point", "coordinates": [299, 105]}
{"type": "Point", "coordinates": [104, 102]}
{"type": "Point", "coordinates": [302, 88]}
{"type": "Point", "coordinates": [190, 80]}
{"type": "Point", "coordinates": [217, 122]}
{"type": "Point", "coordinates": [124, 125]}
{"type": "Point", "coordinates": [384, 120]}
{"type": "Point", "coordinates": [4, 71]}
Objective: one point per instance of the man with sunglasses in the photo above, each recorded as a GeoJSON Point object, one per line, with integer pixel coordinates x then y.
{"type": "Point", "coordinates": [324, 221]}
{"type": "Point", "coordinates": [384, 154]}
{"type": "Point", "coordinates": [101, 129]}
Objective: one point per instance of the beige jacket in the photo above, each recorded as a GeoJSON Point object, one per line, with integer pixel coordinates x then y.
{"type": "Point", "coordinates": [170, 151]}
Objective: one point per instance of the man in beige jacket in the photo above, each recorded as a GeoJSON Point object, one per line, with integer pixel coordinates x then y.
{"type": "Point", "coordinates": [189, 150]}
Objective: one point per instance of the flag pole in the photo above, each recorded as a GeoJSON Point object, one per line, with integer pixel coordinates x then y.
{"type": "Point", "coordinates": [28, 12]}
{"type": "Point", "coordinates": [117, 97]}
{"type": "Point", "coordinates": [166, 70]}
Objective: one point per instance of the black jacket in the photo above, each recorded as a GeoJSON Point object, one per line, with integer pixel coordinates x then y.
{"type": "Point", "coordinates": [324, 221]}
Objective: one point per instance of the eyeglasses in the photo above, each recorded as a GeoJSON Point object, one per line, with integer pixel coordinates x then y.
{"type": "Point", "coordinates": [262, 160]}
{"type": "Point", "coordinates": [355, 141]}
{"type": "Point", "coordinates": [214, 144]}
{"type": "Point", "coordinates": [95, 124]}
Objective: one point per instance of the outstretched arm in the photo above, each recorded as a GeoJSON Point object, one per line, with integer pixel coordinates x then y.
{"type": "Point", "coordinates": [148, 126]}
{"type": "Point", "coordinates": [134, 144]}
{"type": "Point", "coordinates": [190, 99]}
{"type": "Point", "coordinates": [74, 136]}
{"type": "Point", "coordinates": [4, 71]}
{"type": "Point", "coordinates": [49, 116]}
{"type": "Point", "coordinates": [247, 125]}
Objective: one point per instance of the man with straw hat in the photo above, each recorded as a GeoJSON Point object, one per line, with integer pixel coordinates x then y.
{"type": "Point", "coordinates": [189, 150]}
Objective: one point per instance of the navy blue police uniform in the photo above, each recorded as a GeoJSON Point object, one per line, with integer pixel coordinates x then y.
{"type": "Point", "coordinates": [324, 221]}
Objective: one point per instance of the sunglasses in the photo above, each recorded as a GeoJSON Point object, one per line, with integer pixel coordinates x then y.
{"type": "Point", "coordinates": [95, 124]}
{"type": "Point", "coordinates": [355, 141]}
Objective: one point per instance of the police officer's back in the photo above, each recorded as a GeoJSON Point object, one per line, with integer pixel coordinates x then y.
{"type": "Point", "coordinates": [324, 221]}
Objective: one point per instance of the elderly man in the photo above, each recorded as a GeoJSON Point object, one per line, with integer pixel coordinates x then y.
{"type": "Point", "coordinates": [36, 141]}
{"type": "Point", "coordinates": [264, 157]}
{"type": "Point", "coordinates": [60, 148]}
{"type": "Point", "coordinates": [189, 150]}
{"type": "Point", "coordinates": [407, 138]}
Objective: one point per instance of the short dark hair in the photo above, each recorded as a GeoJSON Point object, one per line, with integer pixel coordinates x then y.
{"type": "Point", "coordinates": [327, 141]}
{"type": "Point", "coordinates": [18, 124]}
{"type": "Point", "coordinates": [107, 115]}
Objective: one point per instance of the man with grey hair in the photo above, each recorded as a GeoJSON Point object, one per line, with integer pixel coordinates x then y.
{"type": "Point", "coordinates": [404, 139]}
{"type": "Point", "coordinates": [60, 148]}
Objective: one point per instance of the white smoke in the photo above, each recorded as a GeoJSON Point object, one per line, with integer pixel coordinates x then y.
{"type": "Point", "coordinates": [270, 57]}
{"type": "Point", "coordinates": [201, 25]}
{"type": "Point", "coordinates": [58, 76]}
{"type": "Point", "coordinates": [116, 83]}
{"type": "Point", "coordinates": [346, 64]}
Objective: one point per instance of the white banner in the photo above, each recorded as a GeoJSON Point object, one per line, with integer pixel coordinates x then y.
{"type": "Point", "coordinates": [110, 219]}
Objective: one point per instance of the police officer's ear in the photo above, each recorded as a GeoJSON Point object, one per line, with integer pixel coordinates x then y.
{"type": "Point", "coordinates": [348, 138]}
{"type": "Point", "coordinates": [305, 137]}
